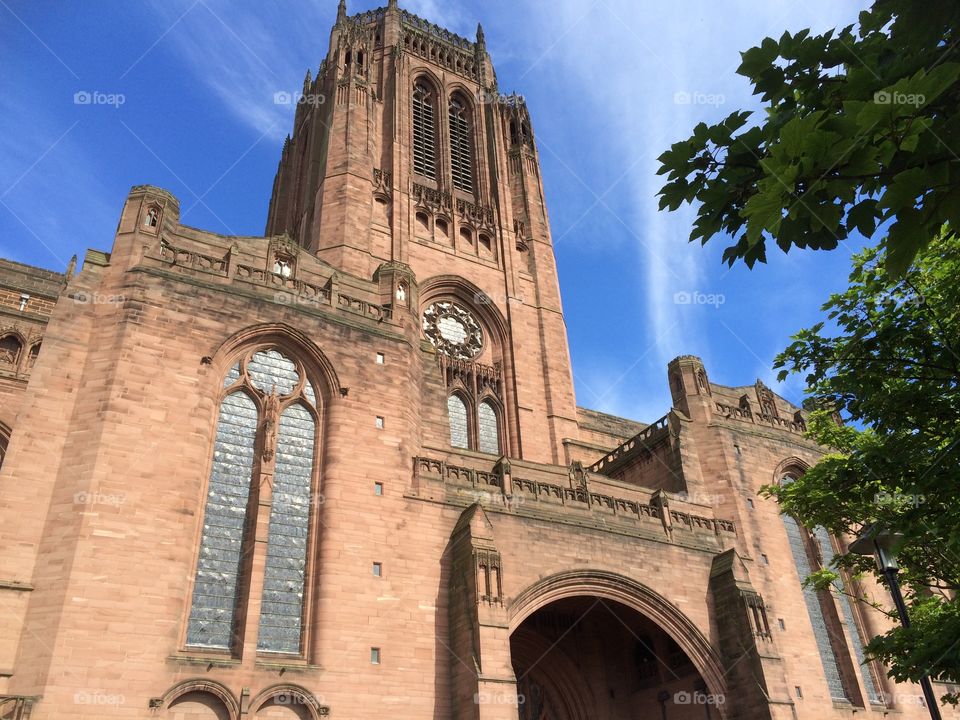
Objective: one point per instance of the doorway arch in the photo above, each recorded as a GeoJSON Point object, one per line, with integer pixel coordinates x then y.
{"type": "Point", "coordinates": [584, 642]}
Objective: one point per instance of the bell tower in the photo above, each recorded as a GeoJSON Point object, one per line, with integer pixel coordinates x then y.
{"type": "Point", "coordinates": [405, 153]}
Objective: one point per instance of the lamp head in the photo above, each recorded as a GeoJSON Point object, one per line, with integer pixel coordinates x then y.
{"type": "Point", "coordinates": [879, 542]}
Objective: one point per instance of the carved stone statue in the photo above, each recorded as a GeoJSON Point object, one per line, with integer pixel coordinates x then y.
{"type": "Point", "coordinates": [271, 414]}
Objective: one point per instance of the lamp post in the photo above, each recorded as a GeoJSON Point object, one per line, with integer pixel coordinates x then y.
{"type": "Point", "coordinates": [881, 543]}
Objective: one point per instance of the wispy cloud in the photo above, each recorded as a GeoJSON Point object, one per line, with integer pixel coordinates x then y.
{"type": "Point", "coordinates": [245, 53]}
{"type": "Point", "coordinates": [645, 79]}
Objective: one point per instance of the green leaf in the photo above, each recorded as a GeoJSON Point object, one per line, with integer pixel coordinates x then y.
{"type": "Point", "coordinates": [906, 187]}
{"type": "Point", "coordinates": [906, 238]}
{"type": "Point", "coordinates": [863, 216]}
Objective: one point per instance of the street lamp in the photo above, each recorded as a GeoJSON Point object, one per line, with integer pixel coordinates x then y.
{"type": "Point", "coordinates": [882, 544]}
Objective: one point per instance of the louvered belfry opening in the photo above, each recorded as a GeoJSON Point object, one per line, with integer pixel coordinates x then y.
{"type": "Point", "coordinates": [461, 149]}
{"type": "Point", "coordinates": [424, 131]}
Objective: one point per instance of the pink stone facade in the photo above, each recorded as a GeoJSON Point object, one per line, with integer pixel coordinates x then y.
{"type": "Point", "coordinates": [583, 566]}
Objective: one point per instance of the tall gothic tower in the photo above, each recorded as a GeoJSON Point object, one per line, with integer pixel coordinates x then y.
{"type": "Point", "coordinates": [404, 154]}
{"type": "Point", "coordinates": [338, 470]}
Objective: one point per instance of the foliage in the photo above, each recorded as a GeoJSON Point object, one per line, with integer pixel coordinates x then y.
{"type": "Point", "coordinates": [892, 367]}
{"type": "Point", "coordinates": [861, 133]}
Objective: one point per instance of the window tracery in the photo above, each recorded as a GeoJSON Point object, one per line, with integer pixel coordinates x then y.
{"type": "Point", "coordinates": [266, 437]}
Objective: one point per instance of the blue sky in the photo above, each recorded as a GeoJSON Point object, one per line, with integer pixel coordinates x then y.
{"type": "Point", "coordinates": [610, 84]}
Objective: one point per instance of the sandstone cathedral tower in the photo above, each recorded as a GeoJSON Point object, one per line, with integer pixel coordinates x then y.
{"type": "Point", "coordinates": [339, 470]}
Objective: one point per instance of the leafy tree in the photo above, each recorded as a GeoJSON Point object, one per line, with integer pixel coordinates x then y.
{"type": "Point", "coordinates": [892, 366]}
{"type": "Point", "coordinates": [861, 133]}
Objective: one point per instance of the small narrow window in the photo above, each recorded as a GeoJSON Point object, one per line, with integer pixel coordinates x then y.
{"type": "Point", "coordinates": [377, 569]}
{"type": "Point", "coordinates": [379, 423]}
{"type": "Point", "coordinates": [442, 227]}
{"type": "Point", "coordinates": [466, 235]}
{"type": "Point", "coordinates": [378, 488]}
{"type": "Point", "coordinates": [764, 559]}
{"type": "Point", "coordinates": [423, 220]}
{"type": "Point", "coordinates": [750, 503]}
{"type": "Point", "coordinates": [380, 358]}
{"type": "Point", "coordinates": [375, 656]}
{"type": "Point", "coordinates": [781, 623]}
{"type": "Point", "coordinates": [798, 691]}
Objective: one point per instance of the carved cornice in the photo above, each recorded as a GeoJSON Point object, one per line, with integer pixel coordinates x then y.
{"type": "Point", "coordinates": [560, 500]}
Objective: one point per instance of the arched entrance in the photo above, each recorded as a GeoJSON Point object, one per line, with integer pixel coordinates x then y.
{"type": "Point", "coordinates": [585, 646]}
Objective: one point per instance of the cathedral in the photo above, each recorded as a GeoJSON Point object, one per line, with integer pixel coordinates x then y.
{"type": "Point", "coordinates": [339, 470]}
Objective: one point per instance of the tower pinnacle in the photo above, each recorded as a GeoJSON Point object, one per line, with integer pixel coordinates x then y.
{"type": "Point", "coordinates": [342, 11]}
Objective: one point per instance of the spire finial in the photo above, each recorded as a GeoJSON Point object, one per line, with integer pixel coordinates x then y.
{"type": "Point", "coordinates": [480, 38]}
{"type": "Point", "coordinates": [392, 5]}
{"type": "Point", "coordinates": [342, 10]}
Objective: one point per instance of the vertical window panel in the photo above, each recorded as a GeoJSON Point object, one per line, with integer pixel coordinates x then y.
{"type": "Point", "coordinates": [281, 613]}
{"type": "Point", "coordinates": [224, 519]}
{"type": "Point", "coordinates": [461, 146]}
{"type": "Point", "coordinates": [424, 131]}
{"type": "Point", "coordinates": [846, 604]}
{"type": "Point", "coordinates": [821, 632]}
{"type": "Point", "coordinates": [487, 429]}
{"type": "Point", "coordinates": [458, 422]}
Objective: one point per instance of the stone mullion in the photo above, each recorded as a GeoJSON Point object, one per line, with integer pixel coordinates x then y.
{"type": "Point", "coordinates": [476, 408]}
{"type": "Point", "coordinates": [263, 477]}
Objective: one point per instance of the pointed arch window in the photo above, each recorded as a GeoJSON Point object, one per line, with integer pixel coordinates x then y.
{"type": "Point", "coordinates": [461, 145]}
{"type": "Point", "coordinates": [848, 616]}
{"type": "Point", "coordinates": [812, 551]}
{"type": "Point", "coordinates": [821, 630]}
{"type": "Point", "coordinates": [4, 440]}
{"type": "Point", "coordinates": [488, 429]}
{"type": "Point", "coordinates": [215, 590]}
{"type": "Point", "coordinates": [424, 130]}
{"type": "Point", "coordinates": [264, 461]}
{"type": "Point", "coordinates": [459, 428]}
{"type": "Point", "coordinates": [10, 349]}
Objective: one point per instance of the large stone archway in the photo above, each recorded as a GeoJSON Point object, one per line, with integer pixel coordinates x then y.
{"type": "Point", "coordinates": [589, 644]}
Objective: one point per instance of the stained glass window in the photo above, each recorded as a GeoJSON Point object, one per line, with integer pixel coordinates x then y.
{"type": "Point", "coordinates": [281, 614]}
{"type": "Point", "coordinates": [458, 422]}
{"type": "Point", "coordinates": [488, 431]}
{"type": "Point", "coordinates": [846, 604]}
{"type": "Point", "coordinates": [286, 439]}
{"type": "Point", "coordinates": [221, 543]}
{"type": "Point", "coordinates": [269, 370]}
{"type": "Point", "coordinates": [821, 633]}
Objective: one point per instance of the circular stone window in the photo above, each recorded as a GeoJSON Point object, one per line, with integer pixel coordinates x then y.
{"type": "Point", "coordinates": [453, 330]}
